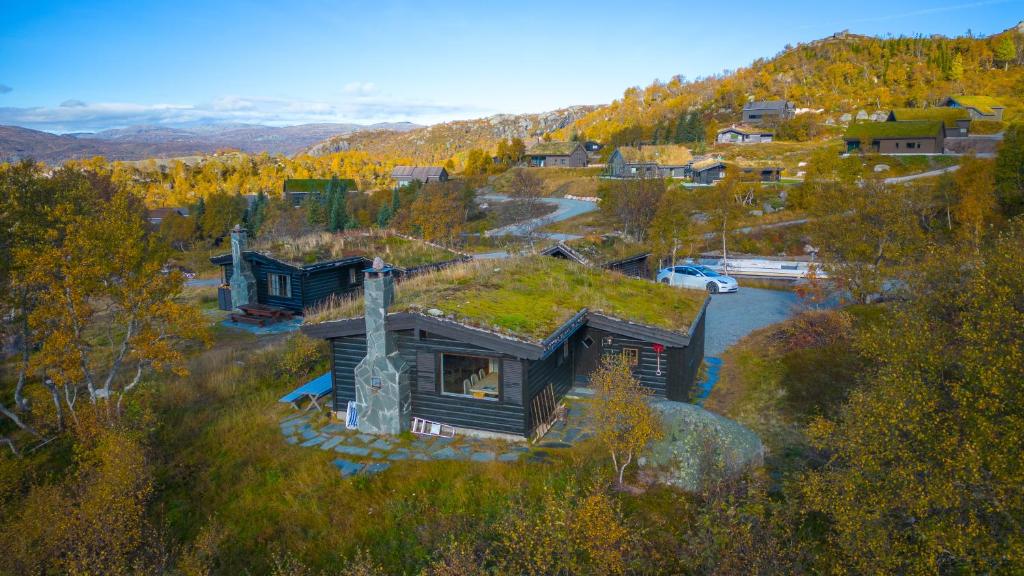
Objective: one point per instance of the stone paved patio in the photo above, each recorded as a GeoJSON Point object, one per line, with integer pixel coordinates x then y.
{"type": "Point", "coordinates": [368, 454]}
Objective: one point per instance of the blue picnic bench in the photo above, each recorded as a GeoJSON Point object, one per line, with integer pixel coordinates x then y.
{"type": "Point", "coordinates": [313, 391]}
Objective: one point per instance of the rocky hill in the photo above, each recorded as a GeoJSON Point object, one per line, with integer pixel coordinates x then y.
{"type": "Point", "coordinates": [438, 143]}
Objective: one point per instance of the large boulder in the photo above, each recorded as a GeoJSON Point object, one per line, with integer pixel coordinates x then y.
{"type": "Point", "coordinates": [699, 446]}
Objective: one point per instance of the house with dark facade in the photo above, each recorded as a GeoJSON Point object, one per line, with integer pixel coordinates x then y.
{"type": "Point", "coordinates": [609, 252]}
{"type": "Point", "coordinates": [707, 171]}
{"type": "Point", "coordinates": [155, 216]}
{"type": "Point", "coordinates": [306, 272]}
{"type": "Point", "coordinates": [768, 111]}
{"type": "Point", "coordinates": [662, 161]}
{"type": "Point", "coordinates": [495, 353]}
{"type": "Point", "coordinates": [912, 137]}
{"type": "Point", "coordinates": [979, 107]}
{"type": "Point", "coordinates": [297, 190]}
{"type": "Point", "coordinates": [956, 122]}
{"type": "Point", "coordinates": [739, 134]}
{"type": "Point", "coordinates": [560, 154]}
{"type": "Point", "coordinates": [405, 175]}
{"type": "Point", "coordinates": [762, 173]}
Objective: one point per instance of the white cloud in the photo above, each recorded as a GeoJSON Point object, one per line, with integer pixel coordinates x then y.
{"type": "Point", "coordinates": [365, 106]}
{"type": "Point", "coordinates": [360, 88]}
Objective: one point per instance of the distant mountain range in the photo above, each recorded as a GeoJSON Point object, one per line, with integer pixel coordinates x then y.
{"type": "Point", "coordinates": [139, 142]}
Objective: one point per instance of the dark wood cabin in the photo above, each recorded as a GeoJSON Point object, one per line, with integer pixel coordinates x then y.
{"type": "Point", "coordinates": [297, 190]}
{"type": "Point", "coordinates": [913, 137]}
{"type": "Point", "coordinates": [524, 379]}
{"type": "Point", "coordinates": [767, 111]}
{"type": "Point", "coordinates": [560, 154]}
{"type": "Point", "coordinates": [707, 171]}
{"type": "Point", "coordinates": [634, 265]}
{"type": "Point", "coordinates": [406, 175]}
{"type": "Point", "coordinates": [295, 287]}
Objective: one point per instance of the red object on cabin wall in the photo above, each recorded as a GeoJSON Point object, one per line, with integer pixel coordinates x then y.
{"type": "Point", "coordinates": [658, 348]}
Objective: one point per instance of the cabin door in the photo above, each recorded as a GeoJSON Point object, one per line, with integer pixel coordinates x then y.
{"type": "Point", "coordinates": [589, 350]}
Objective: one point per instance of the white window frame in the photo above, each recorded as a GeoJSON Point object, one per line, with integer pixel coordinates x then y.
{"type": "Point", "coordinates": [273, 288]}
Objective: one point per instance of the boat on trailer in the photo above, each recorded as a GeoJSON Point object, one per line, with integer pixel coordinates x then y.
{"type": "Point", "coordinates": [785, 267]}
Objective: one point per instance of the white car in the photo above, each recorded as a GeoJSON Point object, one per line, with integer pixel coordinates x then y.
{"type": "Point", "coordinates": [699, 277]}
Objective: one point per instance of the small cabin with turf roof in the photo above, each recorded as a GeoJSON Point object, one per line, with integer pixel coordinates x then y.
{"type": "Point", "coordinates": [707, 171]}
{"type": "Point", "coordinates": [560, 154]}
{"type": "Point", "coordinates": [914, 137]}
{"type": "Point", "coordinates": [956, 122]}
{"type": "Point", "coordinates": [493, 346]}
{"type": "Point", "coordinates": [661, 161]}
{"type": "Point", "coordinates": [301, 273]}
{"type": "Point", "coordinates": [610, 252]}
{"type": "Point", "coordinates": [739, 134]}
{"type": "Point", "coordinates": [979, 107]}
{"type": "Point", "coordinates": [297, 190]}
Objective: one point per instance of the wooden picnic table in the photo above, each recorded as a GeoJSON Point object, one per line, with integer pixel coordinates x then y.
{"type": "Point", "coordinates": [264, 311]}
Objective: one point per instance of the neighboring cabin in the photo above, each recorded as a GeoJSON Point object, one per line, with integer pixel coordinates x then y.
{"type": "Point", "coordinates": [979, 107]}
{"type": "Point", "coordinates": [743, 135]}
{"type": "Point", "coordinates": [767, 111]}
{"type": "Point", "coordinates": [307, 271]}
{"type": "Point", "coordinates": [496, 351]}
{"type": "Point", "coordinates": [956, 122]}
{"type": "Point", "coordinates": [912, 137]}
{"type": "Point", "coordinates": [609, 252]}
{"type": "Point", "coordinates": [155, 216]}
{"type": "Point", "coordinates": [297, 190]}
{"type": "Point", "coordinates": [405, 175]}
{"type": "Point", "coordinates": [707, 171]}
{"type": "Point", "coordinates": [561, 154]}
{"type": "Point", "coordinates": [664, 161]}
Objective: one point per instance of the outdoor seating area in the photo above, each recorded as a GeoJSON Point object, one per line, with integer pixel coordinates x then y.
{"type": "Point", "coordinates": [261, 315]}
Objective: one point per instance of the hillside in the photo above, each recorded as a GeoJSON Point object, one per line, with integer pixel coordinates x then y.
{"type": "Point", "coordinates": [844, 73]}
{"type": "Point", "coordinates": [140, 142]}
{"type": "Point", "coordinates": [840, 74]}
{"type": "Point", "coordinates": [440, 142]}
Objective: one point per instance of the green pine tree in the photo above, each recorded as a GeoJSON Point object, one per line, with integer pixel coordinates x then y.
{"type": "Point", "coordinates": [383, 216]}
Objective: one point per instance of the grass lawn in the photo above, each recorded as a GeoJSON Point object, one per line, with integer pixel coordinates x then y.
{"type": "Point", "coordinates": [560, 181]}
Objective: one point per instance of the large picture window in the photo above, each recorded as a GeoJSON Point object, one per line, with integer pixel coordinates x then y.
{"type": "Point", "coordinates": [279, 285]}
{"type": "Point", "coordinates": [470, 376]}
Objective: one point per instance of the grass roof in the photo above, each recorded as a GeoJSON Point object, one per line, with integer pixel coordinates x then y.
{"type": "Point", "coordinates": [553, 149]}
{"type": "Point", "coordinates": [948, 116]}
{"type": "Point", "coordinates": [983, 104]}
{"type": "Point", "coordinates": [663, 155]}
{"type": "Point", "coordinates": [745, 129]}
{"type": "Point", "coordinates": [705, 164]}
{"type": "Point", "coordinates": [398, 251]}
{"type": "Point", "coordinates": [530, 297]}
{"type": "Point", "coordinates": [914, 129]}
{"type": "Point", "coordinates": [316, 184]}
{"type": "Point", "coordinates": [604, 249]}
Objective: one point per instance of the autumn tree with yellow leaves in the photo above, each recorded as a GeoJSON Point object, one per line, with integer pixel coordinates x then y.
{"type": "Point", "coordinates": [626, 422]}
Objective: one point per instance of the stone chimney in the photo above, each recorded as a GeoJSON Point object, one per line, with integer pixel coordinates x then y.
{"type": "Point", "coordinates": [243, 283]}
{"type": "Point", "coordinates": [383, 399]}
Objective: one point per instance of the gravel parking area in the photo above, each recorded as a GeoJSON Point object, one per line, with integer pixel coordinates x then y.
{"type": "Point", "coordinates": [733, 316]}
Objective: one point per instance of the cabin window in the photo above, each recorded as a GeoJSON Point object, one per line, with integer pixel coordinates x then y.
{"type": "Point", "coordinates": [632, 356]}
{"type": "Point", "coordinates": [279, 285]}
{"type": "Point", "coordinates": [913, 144]}
{"type": "Point", "coordinates": [588, 342]}
{"type": "Point", "coordinates": [469, 376]}
{"type": "Point", "coordinates": [351, 275]}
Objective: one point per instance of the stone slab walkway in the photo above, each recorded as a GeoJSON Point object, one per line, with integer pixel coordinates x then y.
{"type": "Point", "coordinates": [368, 454]}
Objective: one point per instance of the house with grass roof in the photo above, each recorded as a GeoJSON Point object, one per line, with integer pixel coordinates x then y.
{"type": "Point", "coordinates": [297, 190]}
{"type": "Point", "coordinates": [610, 252]}
{"type": "Point", "coordinates": [492, 347]}
{"type": "Point", "coordinates": [297, 274]}
{"type": "Point", "coordinates": [560, 154]}
{"type": "Point", "coordinates": [406, 175]}
{"type": "Point", "coordinates": [912, 137]}
{"type": "Point", "coordinates": [979, 107]}
{"type": "Point", "coordinates": [650, 161]}
{"type": "Point", "coordinates": [956, 122]}
{"type": "Point", "coordinates": [707, 170]}
{"type": "Point", "coordinates": [740, 134]}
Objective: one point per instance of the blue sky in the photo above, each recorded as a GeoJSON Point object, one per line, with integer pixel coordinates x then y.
{"type": "Point", "coordinates": [89, 65]}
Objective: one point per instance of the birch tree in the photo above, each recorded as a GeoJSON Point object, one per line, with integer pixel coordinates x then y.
{"type": "Point", "coordinates": [626, 423]}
